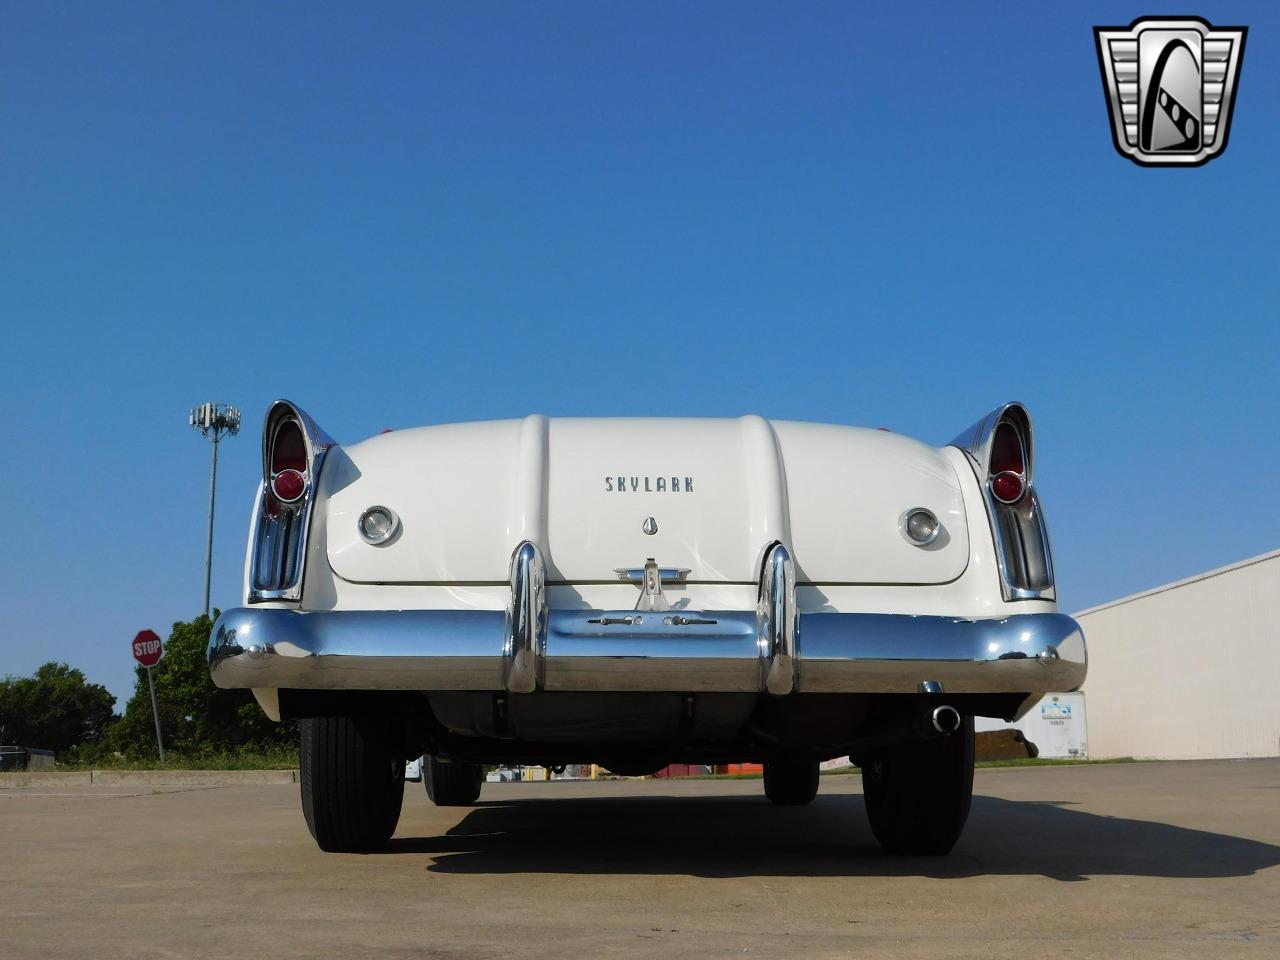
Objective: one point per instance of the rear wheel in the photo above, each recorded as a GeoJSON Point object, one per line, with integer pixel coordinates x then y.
{"type": "Point", "coordinates": [352, 784]}
{"type": "Point", "coordinates": [452, 784]}
{"type": "Point", "coordinates": [791, 783]}
{"type": "Point", "coordinates": [918, 796]}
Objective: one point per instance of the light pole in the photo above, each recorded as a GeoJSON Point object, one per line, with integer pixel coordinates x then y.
{"type": "Point", "coordinates": [214, 421]}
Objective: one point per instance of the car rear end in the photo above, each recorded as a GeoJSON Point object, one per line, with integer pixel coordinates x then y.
{"type": "Point", "coordinates": [641, 592]}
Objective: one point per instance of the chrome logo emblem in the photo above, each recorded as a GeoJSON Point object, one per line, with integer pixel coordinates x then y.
{"type": "Point", "coordinates": [1170, 85]}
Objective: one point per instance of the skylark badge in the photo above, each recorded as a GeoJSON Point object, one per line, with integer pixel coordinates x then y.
{"type": "Point", "coordinates": [1170, 85]}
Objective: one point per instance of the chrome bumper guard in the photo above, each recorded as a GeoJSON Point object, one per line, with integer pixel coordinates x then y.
{"type": "Point", "coordinates": [773, 649]}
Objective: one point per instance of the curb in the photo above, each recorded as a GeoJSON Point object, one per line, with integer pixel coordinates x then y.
{"type": "Point", "coordinates": [149, 778]}
{"type": "Point", "coordinates": [16, 779]}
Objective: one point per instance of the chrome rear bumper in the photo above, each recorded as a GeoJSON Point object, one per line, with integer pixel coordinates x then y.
{"type": "Point", "coordinates": [772, 649]}
{"type": "Point", "coordinates": [463, 650]}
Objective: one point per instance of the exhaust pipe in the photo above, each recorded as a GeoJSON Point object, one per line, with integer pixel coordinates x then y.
{"type": "Point", "coordinates": [945, 719]}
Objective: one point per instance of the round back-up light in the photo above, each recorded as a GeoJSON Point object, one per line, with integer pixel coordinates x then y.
{"type": "Point", "coordinates": [378, 525]}
{"type": "Point", "coordinates": [1007, 486]}
{"type": "Point", "coordinates": [288, 485]}
{"type": "Point", "coordinates": [920, 526]}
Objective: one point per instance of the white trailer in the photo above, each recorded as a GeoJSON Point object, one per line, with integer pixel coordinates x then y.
{"type": "Point", "coordinates": [1056, 725]}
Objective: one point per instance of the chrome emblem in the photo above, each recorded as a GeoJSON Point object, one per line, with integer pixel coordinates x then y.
{"type": "Point", "coordinates": [662, 484]}
{"type": "Point", "coordinates": [1170, 85]}
{"type": "Point", "coordinates": [650, 526]}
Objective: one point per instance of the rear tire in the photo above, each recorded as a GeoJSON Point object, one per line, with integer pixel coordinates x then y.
{"type": "Point", "coordinates": [918, 796]}
{"type": "Point", "coordinates": [452, 784]}
{"type": "Point", "coordinates": [791, 783]}
{"type": "Point", "coordinates": [352, 784]}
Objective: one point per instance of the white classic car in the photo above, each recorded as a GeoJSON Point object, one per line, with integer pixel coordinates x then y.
{"type": "Point", "coordinates": [638, 592]}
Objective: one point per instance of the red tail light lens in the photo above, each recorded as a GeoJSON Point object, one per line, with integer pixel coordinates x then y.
{"type": "Point", "coordinates": [288, 485]}
{"type": "Point", "coordinates": [1007, 486]}
{"type": "Point", "coordinates": [288, 448]}
{"type": "Point", "coordinates": [1006, 451]}
{"type": "Point", "coordinates": [288, 464]}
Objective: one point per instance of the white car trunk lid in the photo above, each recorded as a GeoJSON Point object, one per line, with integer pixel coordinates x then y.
{"type": "Point", "coordinates": [718, 492]}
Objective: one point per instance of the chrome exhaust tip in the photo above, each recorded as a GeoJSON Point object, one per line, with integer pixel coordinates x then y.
{"type": "Point", "coordinates": [946, 719]}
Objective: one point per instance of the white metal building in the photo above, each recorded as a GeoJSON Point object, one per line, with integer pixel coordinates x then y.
{"type": "Point", "coordinates": [1190, 669]}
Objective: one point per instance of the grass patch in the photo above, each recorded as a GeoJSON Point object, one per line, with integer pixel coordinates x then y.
{"type": "Point", "coordinates": [286, 758]}
{"type": "Point", "coordinates": [723, 776]}
{"type": "Point", "coordinates": [1049, 762]}
{"type": "Point", "coordinates": [981, 764]}
{"type": "Point", "coordinates": [262, 758]}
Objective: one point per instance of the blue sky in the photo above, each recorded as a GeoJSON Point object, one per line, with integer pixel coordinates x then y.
{"type": "Point", "coordinates": [892, 215]}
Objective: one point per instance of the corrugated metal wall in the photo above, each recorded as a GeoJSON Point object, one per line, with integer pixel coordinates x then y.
{"type": "Point", "coordinates": [1191, 670]}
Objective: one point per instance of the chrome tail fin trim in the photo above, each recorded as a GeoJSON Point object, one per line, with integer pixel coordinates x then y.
{"type": "Point", "coordinates": [277, 555]}
{"type": "Point", "coordinates": [1018, 528]}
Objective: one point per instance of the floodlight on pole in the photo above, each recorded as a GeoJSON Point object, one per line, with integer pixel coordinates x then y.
{"type": "Point", "coordinates": [214, 421]}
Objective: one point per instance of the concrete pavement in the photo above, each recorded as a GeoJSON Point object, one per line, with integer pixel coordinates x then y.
{"type": "Point", "coordinates": [1134, 860]}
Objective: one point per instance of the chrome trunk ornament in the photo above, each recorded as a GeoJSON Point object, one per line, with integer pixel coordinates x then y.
{"type": "Point", "coordinates": [651, 596]}
{"type": "Point", "coordinates": [650, 579]}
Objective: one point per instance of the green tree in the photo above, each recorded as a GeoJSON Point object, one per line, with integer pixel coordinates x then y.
{"type": "Point", "coordinates": [195, 715]}
{"type": "Point", "coordinates": [56, 709]}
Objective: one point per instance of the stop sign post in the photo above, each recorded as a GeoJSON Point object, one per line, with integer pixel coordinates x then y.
{"type": "Point", "coordinates": [148, 648]}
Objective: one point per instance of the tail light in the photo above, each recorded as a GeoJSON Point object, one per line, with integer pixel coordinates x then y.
{"type": "Point", "coordinates": [1001, 452]}
{"type": "Point", "coordinates": [1007, 465]}
{"type": "Point", "coordinates": [289, 485]}
{"type": "Point", "coordinates": [1008, 451]}
{"type": "Point", "coordinates": [1007, 486]}
{"type": "Point", "coordinates": [293, 450]}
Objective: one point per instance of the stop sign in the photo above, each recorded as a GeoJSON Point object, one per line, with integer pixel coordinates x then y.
{"type": "Point", "coordinates": [148, 648]}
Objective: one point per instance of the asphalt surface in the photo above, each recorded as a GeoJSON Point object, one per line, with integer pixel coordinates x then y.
{"type": "Point", "coordinates": [1129, 860]}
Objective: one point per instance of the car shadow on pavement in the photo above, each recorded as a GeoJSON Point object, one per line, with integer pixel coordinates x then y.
{"type": "Point", "coordinates": [746, 836]}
